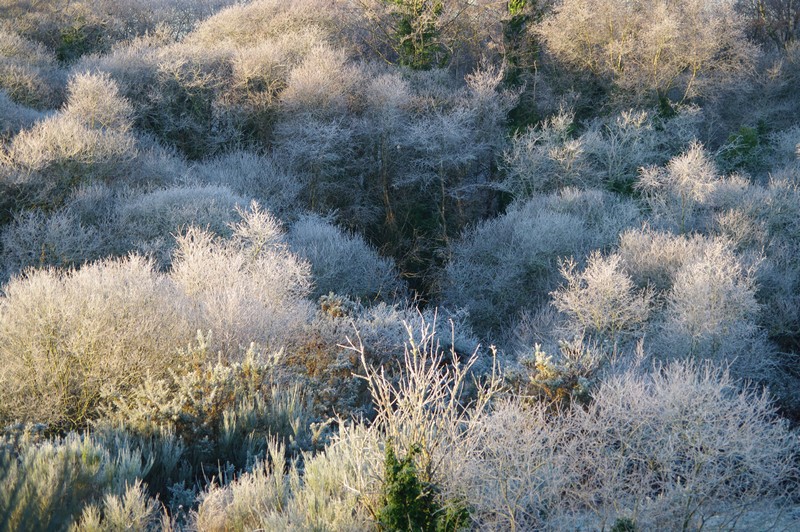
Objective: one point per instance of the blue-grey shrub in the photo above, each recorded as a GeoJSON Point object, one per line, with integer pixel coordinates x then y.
{"type": "Point", "coordinates": [15, 117]}
{"type": "Point", "coordinates": [253, 176]}
{"type": "Point", "coordinates": [148, 223]}
{"type": "Point", "coordinates": [342, 262]}
{"type": "Point", "coordinates": [510, 263]}
{"type": "Point", "coordinates": [58, 239]}
{"type": "Point", "coordinates": [29, 72]}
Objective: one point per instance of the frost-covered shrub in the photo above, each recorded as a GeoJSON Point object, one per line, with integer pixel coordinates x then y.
{"type": "Point", "coordinates": [70, 341]}
{"type": "Point", "coordinates": [652, 258]}
{"type": "Point", "coordinates": [546, 158]}
{"type": "Point", "coordinates": [218, 87]}
{"type": "Point", "coordinates": [182, 110]}
{"type": "Point", "coordinates": [149, 223]}
{"type": "Point", "coordinates": [260, 73]}
{"type": "Point", "coordinates": [342, 486]}
{"type": "Point", "coordinates": [254, 22]}
{"type": "Point", "coordinates": [513, 478]}
{"type": "Point", "coordinates": [785, 145]}
{"type": "Point", "coordinates": [763, 220]}
{"type": "Point", "coordinates": [342, 263]}
{"type": "Point", "coordinates": [28, 72]}
{"type": "Point", "coordinates": [648, 50]}
{"type": "Point", "coordinates": [320, 84]}
{"type": "Point", "coordinates": [45, 485]}
{"type": "Point", "coordinates": [696, 446]}
{"type": "Point", "coordinates": [600, 301]}
{"type": "Point", "coordinates": [254, 176]}
{"type": "Point", "coordinates": [317, 150]}
{"type": "Point", "coordinates": [508, 264]}
{"type": "Point", "coordinates": [81, 231]}
{"type": "Point", "coordinates": [679, 193]}
{"type": "Point", "coordinates": [60, 152]}
{"type": "Point", "coordinates": [15, 117]}
{"type": "Point", "coordinates": [712, 313]}
{"type": "Point", "coordinates": [706, 295]}
{"type": "Point", "coordinates": [248, 288]}
{"type": "Point", "coordinates": [619, 146]}
{"type": "Point", "coordinates": [60, 239]}
{"type": "Point", "coordinates": [90, 140]}
{"type": "Point", "coordinates": [329, 371]}
{"type": "Point", "coordinates": [133, 65]}
{"type": "Point", "coordinates": [565, 377]}
{"type": "Point", "coordinates": [95, 100]}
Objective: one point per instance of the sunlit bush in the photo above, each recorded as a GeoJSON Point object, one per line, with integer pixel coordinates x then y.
{"type": "Point", "coordinates": [70, 341]}
{"type": "Point", "coordinates": [249, 288]}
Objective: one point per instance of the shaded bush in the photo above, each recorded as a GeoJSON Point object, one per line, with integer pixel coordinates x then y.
{"type": "Point", "coordinates": [150, 222]}
{"type": "Point", "coordinates": [342, 263]}
{"type": "Point", "coordinates": [29, 73]}
{"type": "Point", "coordinates": [508, 264]}
{"type": "Point", "coordinates": [15, 117]}
{"type": "Point", "coordinates": [254, 176]}
{"type": "Point", "coordinates": [37, 239]}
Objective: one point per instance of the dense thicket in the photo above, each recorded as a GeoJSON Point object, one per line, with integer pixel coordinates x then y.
{"type": "Point", "coordinates": [399, 264]}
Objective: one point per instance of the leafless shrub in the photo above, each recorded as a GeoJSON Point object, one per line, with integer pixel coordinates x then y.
{"type": "Point", "coordinates": [600, 301]}
{"type": "Point", "coordinates": [69, 340]}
